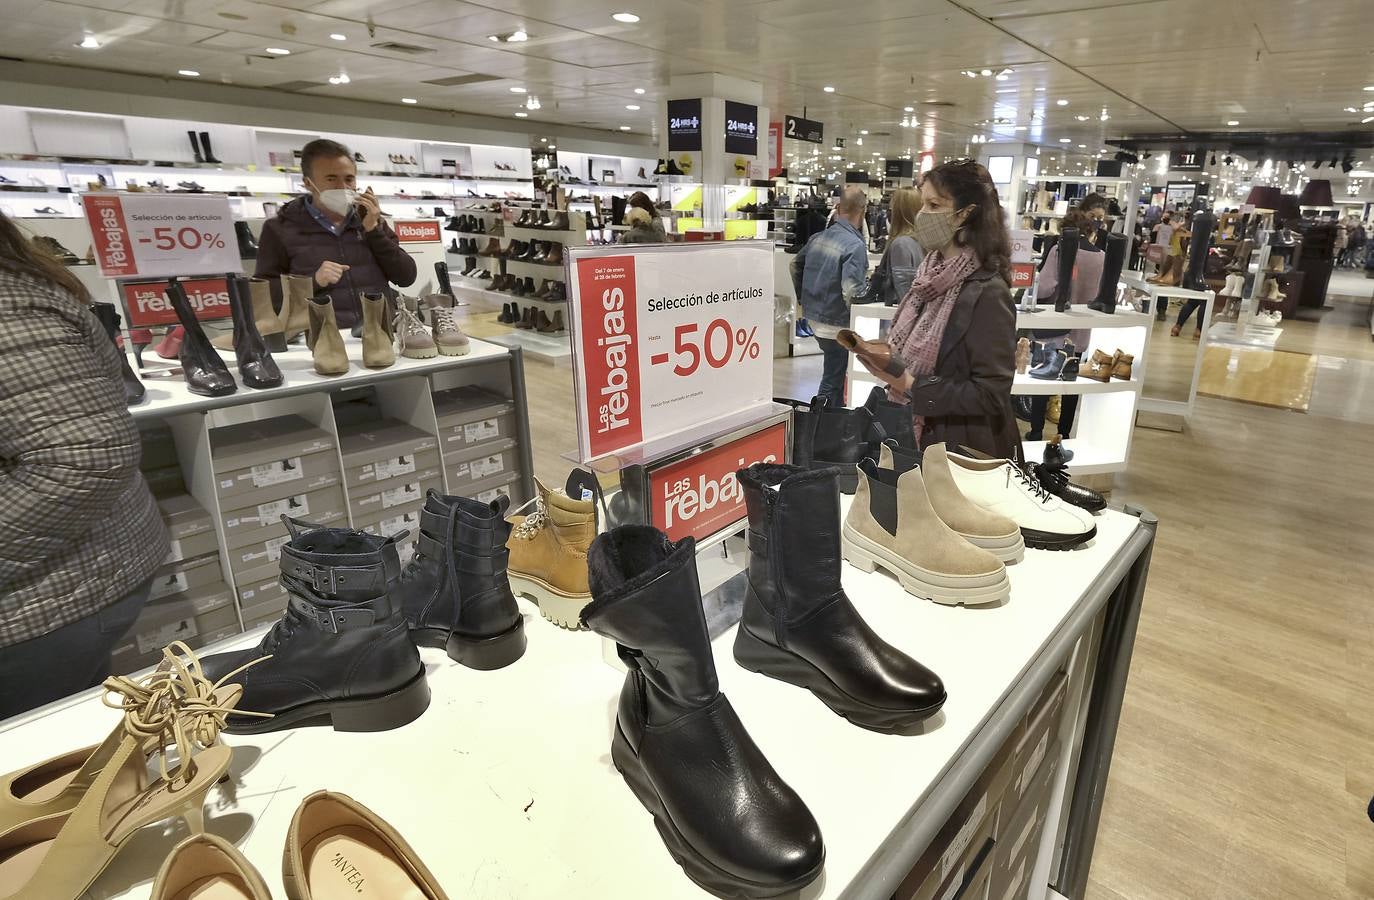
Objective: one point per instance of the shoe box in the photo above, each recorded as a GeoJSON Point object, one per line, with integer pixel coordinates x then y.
{"type": "Point", "coordinates": [388, 465]}
{"type": "Point", "coordinates": [189, 527]}
{"type": "Point", "coordinates": [966, 857]}
{"type": "Point", "coordinates": [506, 485]}
{"type": "Point", "coordinates": [394, 521]}
{"type": "Point", "coordinates": [470, 416]}
{"type": "Point", "coordinates": [261, 522]}
{"type": "Point", "coordinates": [189, 602]}
{"type": "Point", "coordinates": [1019, 832]}
{"type": "Point", "coordinates": [159, 463]}
{"type": "Point", "coordinates": [269, 459]}
{"type": "Point", "coordinates": [470, 469]}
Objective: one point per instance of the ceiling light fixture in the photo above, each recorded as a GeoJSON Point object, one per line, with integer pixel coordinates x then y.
{"type": "Point", "coordinates": [628, 18]}
{"type": "Point", "coordinates": [1232, 122]}
{"type": "Point", "coordinates": [278, 51]}
{"type": "Point", "coordinates": [517, 36]}
{"type": "Point", "coordinates": [518, 90]}
{"type": "Point", "coordinates": [341, 78]}
{"type": "Point", "coordinates": [624, 127]}
{"type": "Point", "coordinates": [863, 131]}
{"type": "Point", "coordinates": [1001, 77]}
{"type": "Point", "coordinates": [189, 73]}
{"type": "Point", "coordinates": [338, 37]}
{"type": "Point", "coordinates": [522, 115]}
{"type": "Point", "coordinates": [631, 106]}
{"type": "Point", "coordinates": [1066, 140]}
{"type": "Point", "coordinates": [1061, 102]}
{"type": "Point", "coordinates": [1081, 118]}
{"type": "Point", "coordinates": [985, 72]}
{"type": "Point", "coordinates": [908, 109]}
{"type": "Point", "coordinates": [1366, 120]}
{"type": "Point", "coordinates": [410, 100]}
{"type": "Point", "coordinates": [494, 38]}
{"type": "Point", "coordinates": [639, 90]}
{"type": "Point", "coordinates": [1082, 146]}
{"type": "Point", "coordinates": [89, 43]}
{"type": "Point", "coordinates": [829, 89]}
{"type": "Point", "coordinates": [532, 102]}
{"type": "Point", "coordinates": [1369, 87]}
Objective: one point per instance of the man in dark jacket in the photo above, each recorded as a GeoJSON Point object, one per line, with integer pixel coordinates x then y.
{"type": "Point", "coordinates": [335, 235]}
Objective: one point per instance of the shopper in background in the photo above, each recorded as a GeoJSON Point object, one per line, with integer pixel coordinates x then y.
{"type": "Point", "coordinates": [335, 235]}
{"type": "Point", "coordinates": [80, 535]}
{"type": "Point", "coordinates": [828, 273]}
{"type": "Point", "coordinates": [903, 254]}
{"type": "Point", "coordinates": [1358, 239]}
{"type": "Point", "coordinates": [652, 226]}
{"type": "Point", "coordinates": [956, 327]}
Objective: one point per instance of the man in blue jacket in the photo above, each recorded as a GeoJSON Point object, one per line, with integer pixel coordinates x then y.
{"type": "Point", "coordinates": [827, 274]}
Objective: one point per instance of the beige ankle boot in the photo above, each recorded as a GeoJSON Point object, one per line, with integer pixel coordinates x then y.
{"type": "Point", "coordinates": [548, 555]}
{"type": "Point", "coordinates": [891, 524]}
{"type": "Point", "coordinates": [1022, 356]}
{"type": "Point", "coordinates": [207, 866]}
{"type": "Point", "coordinates": [295, 306]}
{"type": "Point", "coordinates": [981, 527]}
{"type": "Point", "coordinates": [325, 341]}
{"type": "Point", "coordinates": [378, 352]}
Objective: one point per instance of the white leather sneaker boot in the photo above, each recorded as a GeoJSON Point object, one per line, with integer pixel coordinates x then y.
{"type": "Point", "coordinates": [1047, 523]}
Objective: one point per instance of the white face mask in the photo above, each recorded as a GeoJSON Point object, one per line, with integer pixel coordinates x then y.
{"type": "Point", "coordinates": [337, 200]}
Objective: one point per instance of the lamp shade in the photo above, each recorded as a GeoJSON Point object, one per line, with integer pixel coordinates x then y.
{"type": "Point", "coordinates": [1264, 197]}
{"type": "Point", "coordinates": [1317, 193]}
{"type": "Point", "coordinates": [1287, 210]}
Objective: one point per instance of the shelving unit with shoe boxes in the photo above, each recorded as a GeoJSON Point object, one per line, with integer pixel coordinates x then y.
{"type": "Point", "coordinates": [360, 450]}
{"type": "Point", "coordinates": [1103, 428]}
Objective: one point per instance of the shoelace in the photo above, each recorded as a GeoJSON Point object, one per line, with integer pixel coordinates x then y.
{"type": "Point", "coordinates": [1037, 490]}
{"type": "Point", "coordinates": [176, 704]}
{"type": "Point", "coordinates": [407, 325]}
{"type": "Point", "coordinates": [534, 522]}
{"type": "Point", "coordinates": [443, 319]}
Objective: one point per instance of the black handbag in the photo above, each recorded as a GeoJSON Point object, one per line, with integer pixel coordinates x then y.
{"type": "Point", "coordinates": [879, 287]}
{"type": "Point", "coordinates": [825, 436]}
{"type": "Point", "coordinates": [895, 418]}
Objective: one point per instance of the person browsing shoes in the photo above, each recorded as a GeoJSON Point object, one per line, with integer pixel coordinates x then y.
{"type": "Point", "coordinates": [951, 349]}
{"type": "Point", "coordinates": [335, 234]}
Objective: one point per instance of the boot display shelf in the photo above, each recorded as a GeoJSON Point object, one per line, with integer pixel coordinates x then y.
{"type": "Point", "coordinates": [1103, 427]}
{"type": "Point", "coordinates": [505, 786]}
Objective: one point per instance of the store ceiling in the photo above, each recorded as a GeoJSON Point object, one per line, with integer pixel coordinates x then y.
{"type": "Point", "coordinates": [1154, 66]}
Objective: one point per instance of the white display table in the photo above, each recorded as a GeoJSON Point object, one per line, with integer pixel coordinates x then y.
{"type": "Point", "coordinates": [506, 789]}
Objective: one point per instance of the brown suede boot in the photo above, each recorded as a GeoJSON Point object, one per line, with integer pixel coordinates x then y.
{"type": "Point", "coordinates": [548, 555]}
{"type": "Point", "coordinates": [1122, 367]}
{"type": "Point", "coordinates": [295, 307]}
{"type": "Point", "coordinates": [326, 343]}
{"type": "Point", "coordinates": [378, 352]}
{"type": "Point", "coordinates": [1100, 368]}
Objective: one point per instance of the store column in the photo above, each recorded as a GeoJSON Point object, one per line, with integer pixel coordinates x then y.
{"type": "Point", "coordinates": [715, 130]}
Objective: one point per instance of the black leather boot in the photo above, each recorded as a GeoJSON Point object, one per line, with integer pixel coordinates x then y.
{"type": "Point", "coordinates": [825, 436]}
{"type": "Point", "coordinates": [257, 368]}
{"type": "Point", "coordinates": [248, 245]}
{"type": "Point", "coordinates": [1055, 479]}
{"type": "Point", "coordinates": [1111, 273]}
{"type": "Point", "coordinates": [203, 367]}
{"type": "Point", "coordinates": [798, 624]}
{"type": "Point", "coordinates": [1068, 254]}
{"type": "Point", "coordinates": [734, 826]}
{"type": "Point", "coordinates": [441, 273]}
{"type": "Point", "coordinates": [195, 146]}
{"type": "Point", "coordinates": [895, 418]}
{"type": "Point", "coordinates": [108, 316]}
{"type": "Point", "coordinates": [205, 142]}
{"type": "Point", "coordinates": [454, 590]}
{"type": "Point", "coordinates": [1204, 223]}
{"type": "Point", "coordinates": [341, 652]}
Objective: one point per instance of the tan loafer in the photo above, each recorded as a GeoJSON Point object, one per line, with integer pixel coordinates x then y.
{"type": "Point", "coordinates": [207, 867]}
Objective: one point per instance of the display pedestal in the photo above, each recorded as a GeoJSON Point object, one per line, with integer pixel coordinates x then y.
{"type": "Point", "coordinates": [505, 786]}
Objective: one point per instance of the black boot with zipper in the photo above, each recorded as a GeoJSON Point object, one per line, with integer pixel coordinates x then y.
{"type": "Point", "coordinates": [799, 626]}
{"type": "Point", "coordinates": [108, 317]}
{"type": "Point", "coordinates": [203, 367]}
{"type": "Point", "coordinates": [341, 652]}
{"type": "Point", "coordinates": [1068, 254]}
{"type": "Point", "coordinates": [736, 828]}
{"type": "Point", "coordinates": [257, 368]}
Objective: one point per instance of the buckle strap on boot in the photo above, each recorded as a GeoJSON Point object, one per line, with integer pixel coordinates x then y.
{"type": "Point", "coordinates": [333, 579]}
{"type": "Point", "coordinates": [330, 618]}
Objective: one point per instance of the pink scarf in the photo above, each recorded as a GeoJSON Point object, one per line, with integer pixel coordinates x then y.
{"type": "Point", "coordinates": [919, 325]}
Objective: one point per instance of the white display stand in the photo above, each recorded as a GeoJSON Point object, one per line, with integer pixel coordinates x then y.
{"type": "Point", "coordinates": [1182, 408]}
{"type": "Point", "coordinates": [505, 787]}
{"type": "Point", "coordinates": [1106, 415]}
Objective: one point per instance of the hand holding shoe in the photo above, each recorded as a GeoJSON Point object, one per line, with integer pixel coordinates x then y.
{"type": "Point", "coordinates": [877, 357]}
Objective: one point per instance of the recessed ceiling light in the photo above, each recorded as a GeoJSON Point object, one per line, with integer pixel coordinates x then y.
{"type": "Point", "coordinates": [522, 115]}
{"type": "Point", "coordinates": [1081, 118]}
{"type": "Point", "coordinates": [1066, 140]}
{"type": "Point", "coordinates": [624, 127]}
{"type": "Point", "coordinates": [553, 146]}
{"type": "Point", "coordinates": [1366, 120]}
{"type": "Point", "coordinates": [1232, 122]}
{"type": "Point", "coordinates": [189, 73]}
{"type": "Point", "coordinates": [985, 72]}
{"type": "Point", "coordinates": [543, 140]}
{"type": "Point", "coordinates": [631, 106]}
{"type": "Point", "coordinates": [1020, 128]}
{"type": "Point", "coordinates": [1001, 77]}
{"type": "Point", "coordinates": [628, 18]}
{"type": "Point", "coordinates": [338, 37]}
{"type": "Point", "coordinates": [517, 36]}
{"type": "Point", "coordinates": [908, 109]}
{"type": "Point", "coordinates": [517, 90]}
{"type": "Point", "coordinates": [494, 38]}
{"type": "Point", "coordinates": [341, 78]}
{"type": "Point", "coordinates": [863, 131]}
{"type": "Point", "coordinates": [278, 51]}
{"type": "Point", "coordinates": [89, 43]}
{"type": "Point", "coordinates": [639, 90]}
{"type": "Point", "coordinates": [1061, 102]}
{"type": "Point", "coordinates": [1369, 87]}
{"type": "Point", "coordinates": [1082, 146]}
{"type": "Point", "coordinates": [409, 100]}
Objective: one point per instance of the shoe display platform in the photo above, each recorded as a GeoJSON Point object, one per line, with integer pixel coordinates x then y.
{"type": "Point", "coordinates": [505, 784]}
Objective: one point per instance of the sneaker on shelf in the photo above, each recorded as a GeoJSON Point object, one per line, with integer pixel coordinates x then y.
{"type": "Point", "coordinates": [412, 338]}
{"type": "Point", "coordinates": [46, 211]}
{"type": "Point", "coordinates": [448, 337]}
{"type": "Point", "coordinates": [1046, 522]}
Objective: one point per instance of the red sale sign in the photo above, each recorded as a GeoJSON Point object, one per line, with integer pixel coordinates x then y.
{"type": "Point", "coordinates": [147, 302]}
{"type": "Point", "coordinates": [1022, 275]}
{"type": "Point", "coordinates": [151, 234]}
{"type": "Point", "coordinates": [418, 231]}
{"type": "Point", "coordinates": [700, 495]}
{"type": "Point", "coordinates": [609, 325]}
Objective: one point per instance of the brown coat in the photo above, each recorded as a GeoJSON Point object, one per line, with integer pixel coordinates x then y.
{"type": "Point", "coordinates": [968, 399]}
{"type": "Point", "coordinates": [294, 243]}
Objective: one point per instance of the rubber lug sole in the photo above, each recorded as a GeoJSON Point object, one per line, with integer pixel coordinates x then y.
{"type": "Point", "coordinates": [1049, 540]}
{"type": "Point", "coordinates": [868, 556]}
{"type": "Point", "coordinates": [380, 713]}
{"type": "Point", "coordinates": [757, 655]}
{"type": "Point", "coordinates": [1010, 549]}
{"type": "Point", "coordinates": [563, 610]}
{"type": "Point", "coordinates": [461, 351]}
{"type": "Point", "coordinates": [485, 654]}
{"type": "Point", "coordinates": [704, 873]}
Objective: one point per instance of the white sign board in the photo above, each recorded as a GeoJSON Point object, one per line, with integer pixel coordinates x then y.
{"type": "Point", "coordinates": [668, 337]}
{"type": "Point", "coordinates": [1022, 245]}
{"type": "Point", "coordinates": [150, 235]}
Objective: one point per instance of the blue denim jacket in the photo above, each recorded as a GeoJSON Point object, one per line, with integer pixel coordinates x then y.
{"type": "Point", "coordinates": [829, 272]}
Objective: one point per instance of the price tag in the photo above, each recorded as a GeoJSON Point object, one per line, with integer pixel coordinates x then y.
{"type": "Point", "coordinates": [668, 337]}
{"type": "Point", "coordinates": [265, 474]}
{"type": "Point", "coordinates": [406, 493]}
{"type": "Point", "coordinates": [485, 430]}
{"type": "Point", "coordinates": [390, 468]}
{"type": "Point", "coordinates": [157, 235]}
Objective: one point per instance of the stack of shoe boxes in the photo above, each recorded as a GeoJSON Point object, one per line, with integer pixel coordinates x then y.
{"type": "Point", "coordinates": [389, 466]}
{"type": "Point", "coordinates": [264, 470]}
{"type": "Point", "coordinates": [477, 435]}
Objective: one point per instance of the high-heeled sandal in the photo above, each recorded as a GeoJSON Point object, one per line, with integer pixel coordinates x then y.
{"type": "Point", "coordinates": [207, 867]}
{"type": "Point", "coordinates": [879, 354]}
{"type": "Point", "coordinates": [57, 857]}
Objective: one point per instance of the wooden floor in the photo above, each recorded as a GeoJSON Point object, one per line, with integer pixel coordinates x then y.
{"type": "Point", "coordinates": [1245, 756]}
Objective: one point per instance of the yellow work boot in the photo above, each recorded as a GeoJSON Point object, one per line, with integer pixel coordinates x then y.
{"type": "Point", "coordinates": [548, 555]}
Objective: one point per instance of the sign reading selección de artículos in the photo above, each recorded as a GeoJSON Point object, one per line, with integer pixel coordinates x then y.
{"type": "Point", "coordinates": [684, 124]}
{"type": "Point", "coordinates": [156, 235]}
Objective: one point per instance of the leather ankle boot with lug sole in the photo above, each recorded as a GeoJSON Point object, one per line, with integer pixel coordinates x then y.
{"type": "Point", "coordinates": [207, 867]}
{"type": "Point", "coordinates": [338, 849]}
{"type": "Point", "coordinates": [324, 338]}
{"type": "Point", "coordinates": [448, 337]}
{"type": "Point", "coordinates": [799, 626]}
{"type": "Point", "coordinates": [342, 650]}
{"type": "Point", "coordinates": [412, 337]}
{"type": "Point", "coordinates": [892, 525]}
{"type": "Point", "coordinates": [1053, 366]}
{"type": "Point", "coordinates": [724, 814]}
{"type": "Point", "coordinates": [548, 554]}
{"type": "Point", "coordinates": [454, 590]}
{"type": "Point", "coordinates": [378, 349]}
{"type": "Point", "coordinates": [983, 528]}
{"type": "Point", "coordinates": [1047, 523]}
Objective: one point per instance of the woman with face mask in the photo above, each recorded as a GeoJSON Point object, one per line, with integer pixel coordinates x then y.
{"type": "Point", "coordinates": [955, 330]}
{"type": "Point", "coordinates": [335, 234]}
